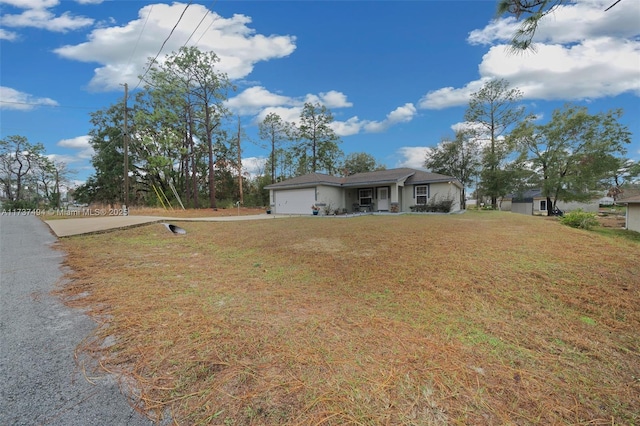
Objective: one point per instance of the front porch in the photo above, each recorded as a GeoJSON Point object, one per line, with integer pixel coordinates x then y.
{"type": "Point", "coordinates": [373, 199]}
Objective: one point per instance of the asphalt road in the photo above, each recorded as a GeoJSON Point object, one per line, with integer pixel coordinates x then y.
{"type": "Point", "coordinates": [40, 381]}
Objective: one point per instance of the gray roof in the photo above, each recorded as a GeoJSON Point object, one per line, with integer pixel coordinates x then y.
{"type": "Point", "coordinates": [526, 195]}
{"type": "Point", "coordinates": [631, 200]}
{"type": "Point", "coordinates": [404, 174]}
{"type": "Point", "coordinates": [305, 181]}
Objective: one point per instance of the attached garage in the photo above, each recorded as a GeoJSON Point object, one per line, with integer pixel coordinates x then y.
{"type": "Point", "coordinates": [294, 201]}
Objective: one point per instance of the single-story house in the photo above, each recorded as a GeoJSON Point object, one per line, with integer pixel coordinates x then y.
{"type": "Point", "coordinates": [633, 212]}
{"type": "Point", "coordinates": [394, 190]}
{"type": "Point", "coordinates": [532, 202]}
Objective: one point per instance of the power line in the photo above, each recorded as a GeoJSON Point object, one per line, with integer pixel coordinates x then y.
{"type": "Point", "coordinates": [210, 24]}
{"type": "Point", "coordinates": [140, 36]}
{"type": "Point", "coordinates": [617, 1]}
{"type": "Point", "coordinates": [163, 44]}
{"type": "Point", "coordinates": [199, 23]}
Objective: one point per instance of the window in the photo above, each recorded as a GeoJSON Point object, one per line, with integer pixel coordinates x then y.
{"type": "Point", "coordinates": [543, 205]}
{"type": "Point", "coordinates": [365, 196]}
{"type": "Point", "coordinates": [422, 194]}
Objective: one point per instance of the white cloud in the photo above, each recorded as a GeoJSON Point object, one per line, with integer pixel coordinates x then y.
{"type": "Point", "coordinates": [254, 99]}
{"type": "Point", "coordinates": [38, 15]}
{"type": "Point", "coordinates": [593, 69]}
{"type": "Point", "coordinates": [8, 35]}
{"type": "Point", "coordinates": [260, 102]}
{"type": "Point", "coordinates": [335, 99]}
{"type": "Point", "coordinates": [450, 96]}
{"type": "Point", "coordinates": [61, 158]}
{"type": "Point", "coordinates": [288, 114]}
{"type": "Point", "coordinates": [497, 29]}
{"type": "Point", "coordinates": [31, 4]}
{"type": "Point", "coordinates": [350, 127]}
{"type": "Point", "coordinates": [254, 166]}
{"type": "Point", "coordinates": [412, 156]}
{"type": "Point", "coordinates": [354, 125]}
{"type": "Point", "coordinates": [569, 23]}
{"type": "Point", "coordinates": [581, 52]}
{"type": "Point", "coordinates": [402, 114]}
{"type": "Point", "coordinates": [464, 126]}
{"type": "Point", "coordinates": [123, 57]}
{"type": "Point", "coordinates": [81, 144]}
{"type": "Point", "coordinates": [16, 100]}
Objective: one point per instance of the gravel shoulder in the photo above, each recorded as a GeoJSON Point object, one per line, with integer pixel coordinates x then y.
{"type": "Point", "coordinates": [40, 381]}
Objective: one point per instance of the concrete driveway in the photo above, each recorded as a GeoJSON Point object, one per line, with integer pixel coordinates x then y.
{"type": "Point", "coordinates": [88, 225]}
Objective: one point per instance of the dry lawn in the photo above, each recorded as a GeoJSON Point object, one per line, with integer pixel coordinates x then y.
{"type": "Point", "coordinates": [484, 318]}
{"type": "Point", "coordinates": [194, 213]}
{"type": "Point", "coordinates": [105, 210]}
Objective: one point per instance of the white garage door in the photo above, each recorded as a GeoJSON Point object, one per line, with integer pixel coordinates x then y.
{"type": "Point", "coordinates": [294, 201]}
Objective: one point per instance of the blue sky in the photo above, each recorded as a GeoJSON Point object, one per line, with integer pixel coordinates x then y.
{"type": "Point", "coordinates": [396, 75]}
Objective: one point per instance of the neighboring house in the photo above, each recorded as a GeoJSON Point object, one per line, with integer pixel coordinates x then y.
{"type": "Point", "coordinates": [606, 201]}
{"type": "Point", "coordinates": [633, 213]}
{"type": "Point", "coordinates": [532, 202]}
{"type": "Point", "coordinates": [394, 190]}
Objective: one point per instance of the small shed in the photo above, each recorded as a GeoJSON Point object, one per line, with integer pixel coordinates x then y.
{"type": "Point", "coordinates": [532, 202]}
{"type": "Point", "coordinates": [632, 221]}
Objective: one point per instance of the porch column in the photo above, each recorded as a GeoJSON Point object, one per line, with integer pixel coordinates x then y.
{"type": "Point", "coordinates": [394, 193]}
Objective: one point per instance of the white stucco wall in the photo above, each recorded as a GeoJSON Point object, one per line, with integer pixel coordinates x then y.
{"type": "Point", "coordinates": [592, 206]}
{"type": "Point", "coordinates": [330, 196]}
{"type": "Point", "coordinates": [633, 217]}
{"type": "Point", "coordinates": [438, 191]}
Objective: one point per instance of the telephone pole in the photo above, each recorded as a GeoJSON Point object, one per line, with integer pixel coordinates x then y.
{"type": "Point", "coordinates": [240, 165]}
{"type": "Point", "coordinates": [126, 149]}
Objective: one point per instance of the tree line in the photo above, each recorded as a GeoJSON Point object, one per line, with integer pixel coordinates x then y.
{"type": "Point", "coordinates": [183, 144]}
{"type": "Point", "coordinates": [28, 177]}
{"type": "Point", "coordinates": [502, 149]}
{"type": "Point", "coordinates": [183, 147]}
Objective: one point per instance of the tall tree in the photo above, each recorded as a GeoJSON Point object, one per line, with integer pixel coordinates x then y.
{"type": "Point", "coordinates": [573, 152]}
{"type": "Point", "coordinates": [51, 175]}
{"type": "Point", "coordinates": [495, 109]}
{"type": "Point", "coordinates": [285, 164]}
{"type": "Point", "coordinates": [360, 162]}
{"type": "Point", "coordinates": [626, 172]}
{"type": "Point", "coordinates": [164, 125]}
{"type": "Point", "coordinates": [318, 144]}
{"type": "Point", "coordinates": [195, 73]}
{"type": "Point", "coordinates": [458, 157]}
{"type": "Point", "coordinates": [19, 160]}
{"type": "Point", "coordinates": [275, 130]}
{"type": "Point", "coordinates": [108, 160]}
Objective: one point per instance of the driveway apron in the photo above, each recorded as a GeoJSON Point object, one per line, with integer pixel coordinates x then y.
{"type": "Point", "coordinates": [40, 381]}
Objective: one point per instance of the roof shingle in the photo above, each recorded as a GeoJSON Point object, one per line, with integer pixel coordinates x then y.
{"type": "Point", "coordinates": [403, 174]}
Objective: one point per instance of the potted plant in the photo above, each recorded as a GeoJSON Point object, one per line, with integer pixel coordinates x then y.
{"type": "Point", "coordinates": [315, 209]}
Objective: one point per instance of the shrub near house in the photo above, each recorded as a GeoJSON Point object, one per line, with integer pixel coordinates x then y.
{"type": "Point", "coordinates": [434, 206]}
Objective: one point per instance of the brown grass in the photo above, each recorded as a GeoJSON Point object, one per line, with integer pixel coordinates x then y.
{"type": "Point", "coordinates": [485, 318]}
{"type": "Point", "coordinates": [105, 210]}
{"type": "Point", "coordinates": [194, 213]}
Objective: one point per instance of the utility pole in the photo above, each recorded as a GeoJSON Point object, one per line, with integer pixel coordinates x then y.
{"type": "Point", "coordinates": [126, 149]}
{"type": "Point", "coordinates": [58, 197]}
{"type": "Point", "coordinates": [240, 165]}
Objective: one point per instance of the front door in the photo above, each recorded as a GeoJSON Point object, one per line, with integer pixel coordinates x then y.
{"type": "Point", "coordinates": [383, 198]}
